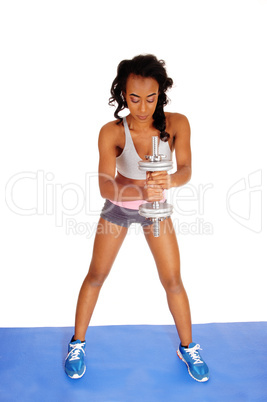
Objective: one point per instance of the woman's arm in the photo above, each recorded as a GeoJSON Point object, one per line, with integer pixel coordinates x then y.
{"type": "Point", "coordinates": [110, 188]}
{"type": "Point", "coordinates": [183, 156]}
{"type": "Point", "coordinates": [182, 152]}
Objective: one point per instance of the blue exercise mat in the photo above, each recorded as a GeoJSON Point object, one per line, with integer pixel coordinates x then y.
{"type": "Point", "coordinates": [134, 363]}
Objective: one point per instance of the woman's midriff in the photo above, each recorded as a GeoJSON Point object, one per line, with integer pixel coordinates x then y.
{"type": "Point", "coordinates": [133, 204]}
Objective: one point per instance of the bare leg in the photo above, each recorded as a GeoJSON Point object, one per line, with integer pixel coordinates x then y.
{"type": "Point", "coordinates": [166, 254]}
{"type": "Point", "coordinates": [108, 240]}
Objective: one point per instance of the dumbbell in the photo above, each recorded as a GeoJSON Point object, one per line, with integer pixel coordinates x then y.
{"type": "Point", "coordinates": [155, 211]}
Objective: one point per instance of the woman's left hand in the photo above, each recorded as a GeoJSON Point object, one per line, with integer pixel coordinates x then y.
{"type": "Point", "coordinates": [162, 179]}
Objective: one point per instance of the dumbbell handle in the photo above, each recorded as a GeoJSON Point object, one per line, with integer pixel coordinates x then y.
{"type": "Point", "coordinates": [156, 158]}
{"type": "Point", "coordinates": [155, 210]}
{"type": "Point", "coordinates": [155, 162]}
{"type": "Point", "coordinates": [155, 154]}
{"type": "Point", "coordinates": [156, 224]}
{"type": "Point", "coordinates": [155, 146]}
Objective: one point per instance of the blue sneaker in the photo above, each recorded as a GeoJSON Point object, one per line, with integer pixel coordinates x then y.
{"type": "Point", "coordinates": [74, 363]}
{"type": "Point", "coordinates": [197, 368]}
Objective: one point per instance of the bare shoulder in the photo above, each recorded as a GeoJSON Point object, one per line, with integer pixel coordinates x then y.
{"type": "Point", "coordinates": [178, 123]}
{"type": "Point", "coordinates": [110, 134]}
{"type": "Point", "coordinates": [110, 128]}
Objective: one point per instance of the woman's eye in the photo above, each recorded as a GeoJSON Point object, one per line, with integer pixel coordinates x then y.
{"type": "Point", "coordinates": [133, 100]}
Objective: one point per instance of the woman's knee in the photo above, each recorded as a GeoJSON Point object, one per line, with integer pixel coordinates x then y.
{"type": "Point", "coordinates": [95, 278]}
{"type": "Point", "coordinates": [173, 285]}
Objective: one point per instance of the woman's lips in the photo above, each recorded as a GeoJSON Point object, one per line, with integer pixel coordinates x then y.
{"type": "Point", "coordinates": [142, 117]}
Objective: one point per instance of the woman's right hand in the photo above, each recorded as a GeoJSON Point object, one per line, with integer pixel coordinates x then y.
{"type": "Point", "coordinates": [152, 192]}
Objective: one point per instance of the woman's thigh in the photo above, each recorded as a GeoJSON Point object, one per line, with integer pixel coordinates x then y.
{"type": "Point", "coordinates": [165, 251]}
{"type": "Point", "coordinates": [108, 240]}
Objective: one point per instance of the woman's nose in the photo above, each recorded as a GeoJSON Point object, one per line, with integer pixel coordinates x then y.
{"type": "Point", "coordinates": [143, 107]}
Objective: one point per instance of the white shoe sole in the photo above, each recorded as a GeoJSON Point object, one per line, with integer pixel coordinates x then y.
{"type": "Point", "coordinates": [196, 379]}
{"type": "Point", "coordinates": [76, 376]}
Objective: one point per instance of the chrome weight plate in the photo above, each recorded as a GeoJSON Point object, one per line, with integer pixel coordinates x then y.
{"type": "Point", "coordinates": [148, 210]}
{"type": "Point", "coordinates": [155, 166]}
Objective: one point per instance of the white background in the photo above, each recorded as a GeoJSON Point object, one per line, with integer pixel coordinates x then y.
{"type": "Point", "coordinates": [58, 60]}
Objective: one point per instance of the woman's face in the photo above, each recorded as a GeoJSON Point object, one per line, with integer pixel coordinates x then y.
{"type": "Point", "coordinates": [141, 97]}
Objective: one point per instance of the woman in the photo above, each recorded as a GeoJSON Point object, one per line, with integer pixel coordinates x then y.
{"type": "Point", "coordinates": [140, 86]}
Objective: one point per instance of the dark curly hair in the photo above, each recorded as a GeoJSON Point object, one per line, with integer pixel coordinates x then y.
{"type": "Point", "coordinates": [144, 66]}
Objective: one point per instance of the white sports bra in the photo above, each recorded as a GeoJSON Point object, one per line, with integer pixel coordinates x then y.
{"type": "Point", "coordinates": [127, 161]}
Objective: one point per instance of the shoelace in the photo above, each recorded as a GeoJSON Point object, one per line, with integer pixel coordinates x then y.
{"type": "Point", "coordinates": [194, 353]}
{"type": "Point", "coordinates": [75, 352]}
